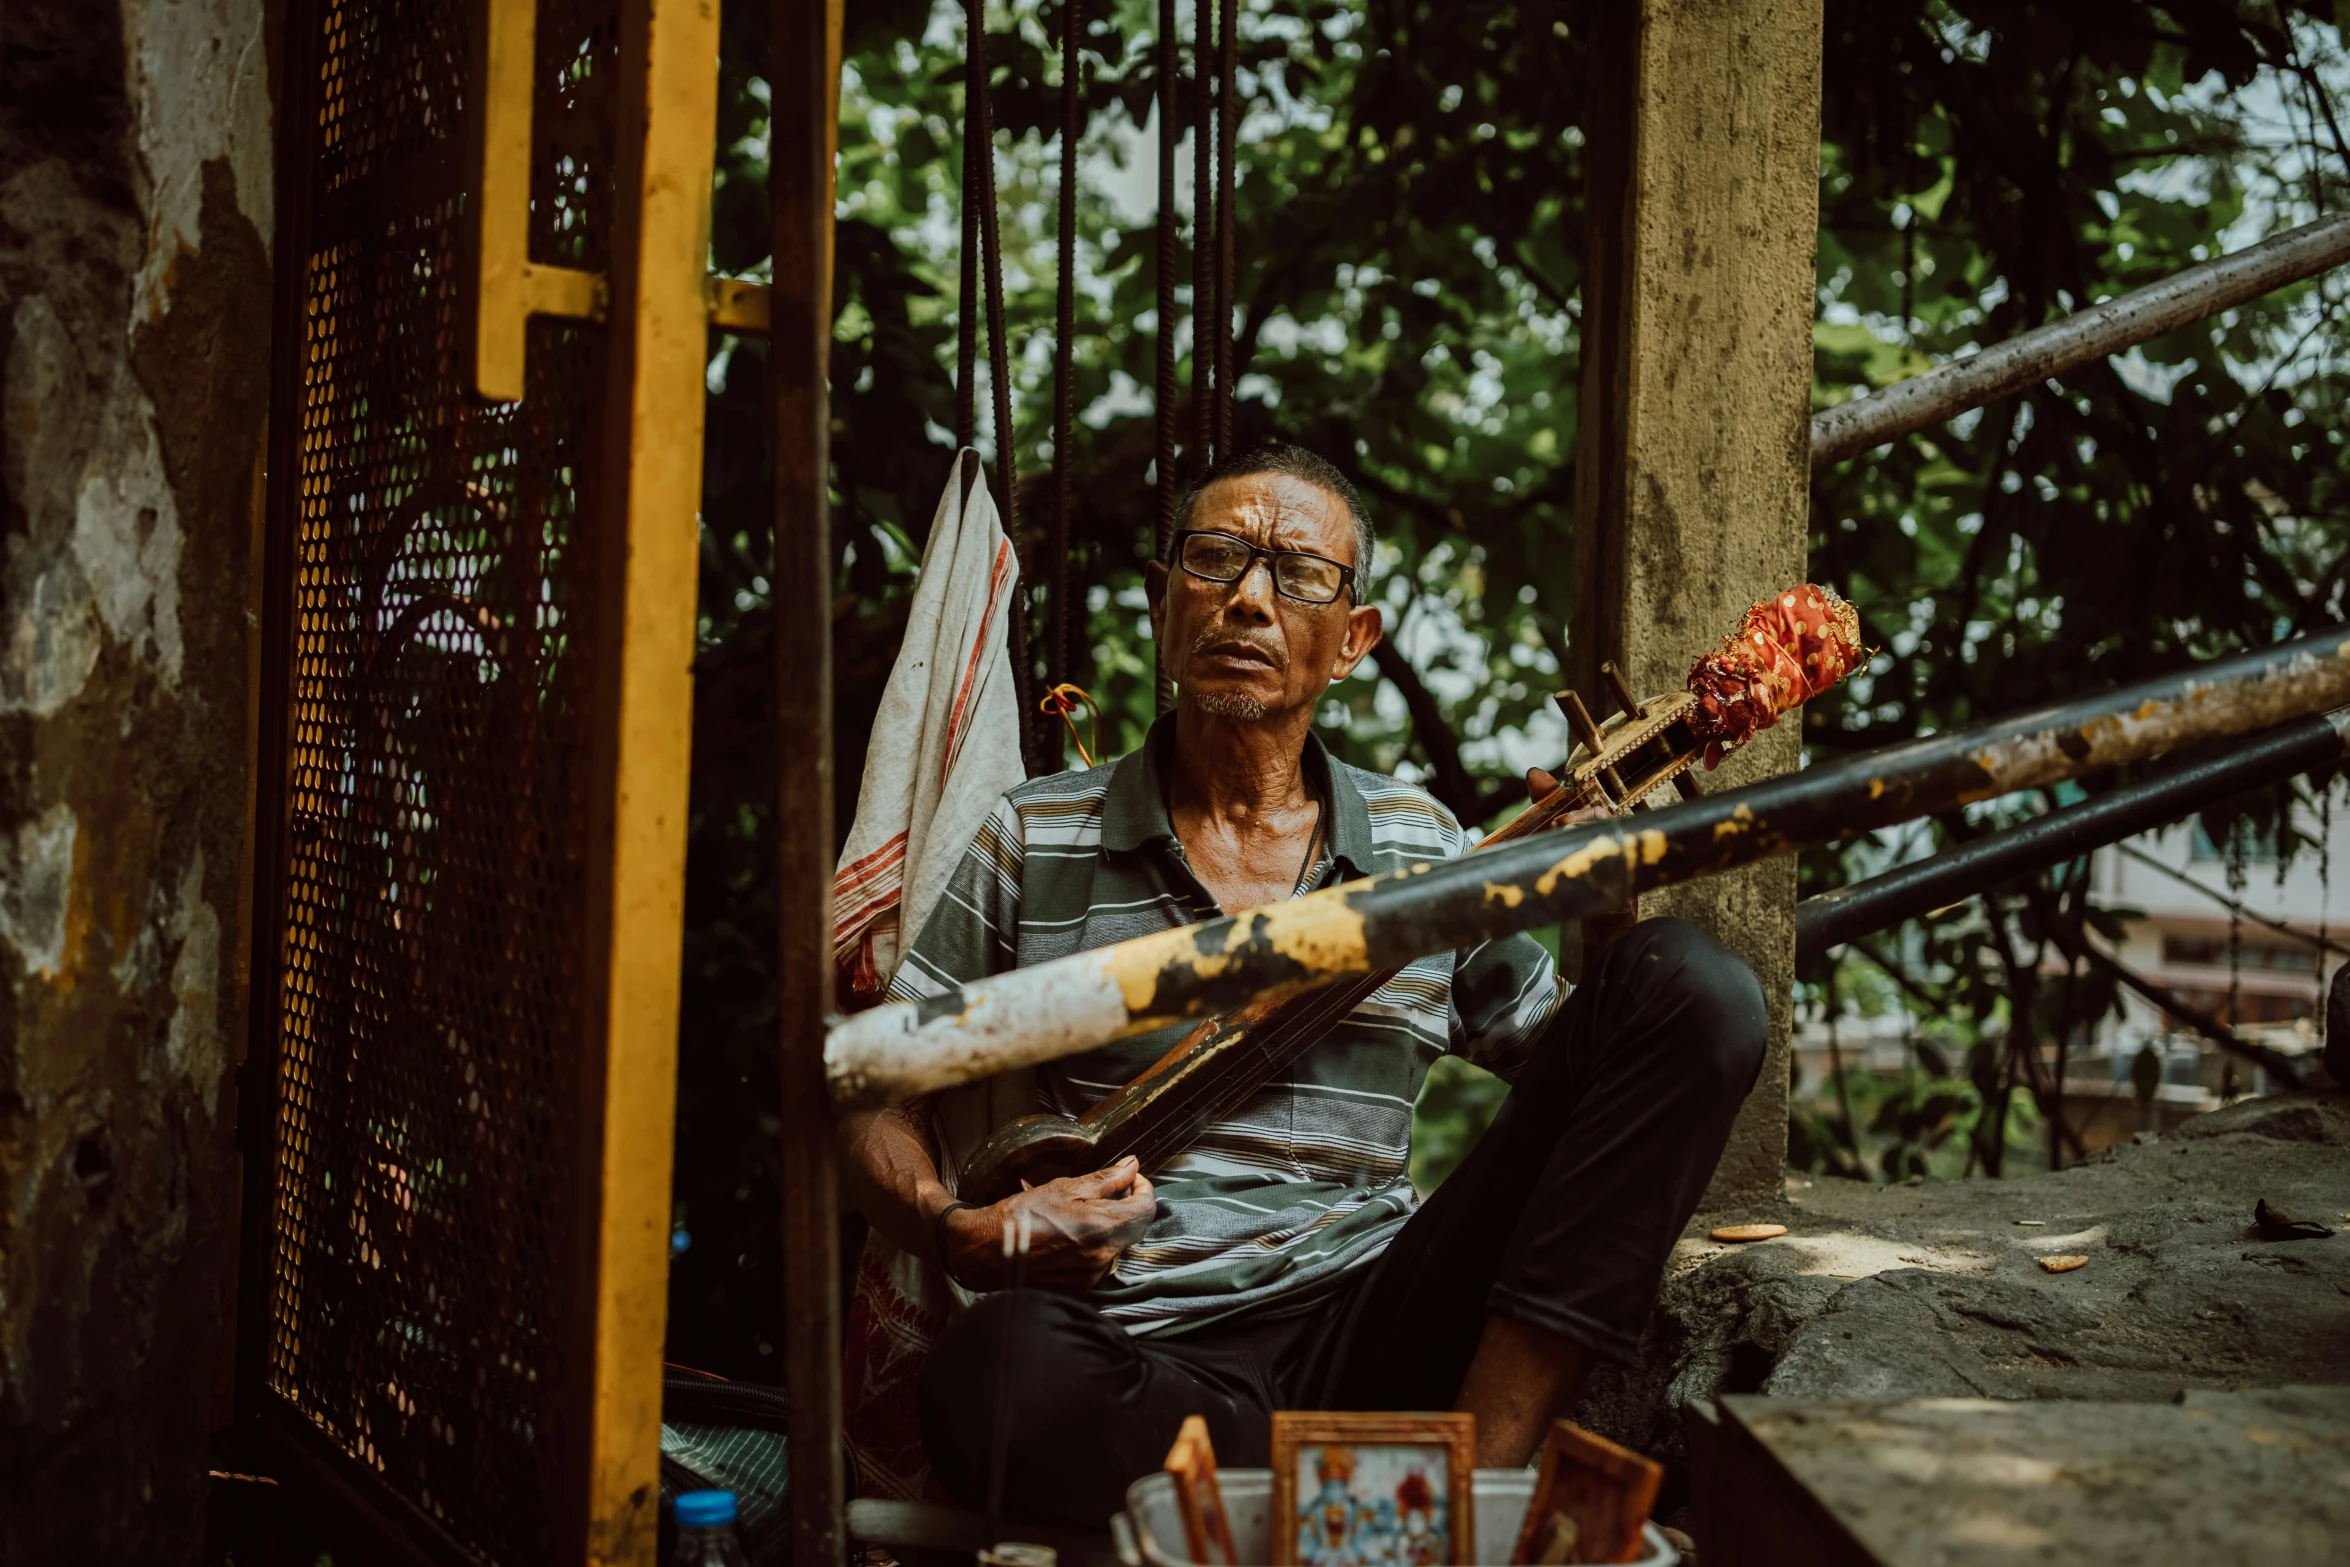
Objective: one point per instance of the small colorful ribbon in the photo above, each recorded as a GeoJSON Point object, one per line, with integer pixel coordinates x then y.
{"type": "Point", "coordinates": [1061, 701]}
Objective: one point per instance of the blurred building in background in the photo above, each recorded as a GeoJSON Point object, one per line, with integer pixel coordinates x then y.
{"type": "Point", "coordinates": [2261, 971]}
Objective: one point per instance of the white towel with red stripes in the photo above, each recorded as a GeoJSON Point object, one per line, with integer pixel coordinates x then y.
{"type": "Point", "coordinates": [946, 745]}
{"type": "Point", "coordinates": [946, 742]}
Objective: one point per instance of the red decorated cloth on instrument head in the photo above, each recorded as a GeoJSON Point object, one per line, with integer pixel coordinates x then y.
{"type": "Point", "coordinates": [1791, 647]}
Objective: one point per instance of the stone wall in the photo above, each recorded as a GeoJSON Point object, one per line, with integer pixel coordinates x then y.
{"type": "Point", "coordinates": [135, 222]}
{"type": "Point", "coordinates": [1693, 449]}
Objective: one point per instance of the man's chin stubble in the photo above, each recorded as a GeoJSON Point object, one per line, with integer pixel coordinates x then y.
{"type": "Point", "coordinates": [1236, 705]}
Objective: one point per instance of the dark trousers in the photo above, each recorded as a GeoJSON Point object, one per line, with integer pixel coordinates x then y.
{"type": "Point", "coordinates": [1561, 1218]}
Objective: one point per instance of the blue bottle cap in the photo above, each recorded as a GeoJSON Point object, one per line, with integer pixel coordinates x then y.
{"type": "Point", "coordinates": [705, 1509]}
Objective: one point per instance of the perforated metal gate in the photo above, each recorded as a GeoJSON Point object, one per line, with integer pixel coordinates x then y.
{"type": "Point", "coordinates": [465, 600]}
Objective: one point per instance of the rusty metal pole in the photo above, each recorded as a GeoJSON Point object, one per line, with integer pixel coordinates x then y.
{"type": "Point", "coordinates": [806, 73]}
{"type": "Point", "coordinates": [2117, 325]}
{"type": "Point", "coordinates": [1061, 622]}
{"type": "Point", "coordinates": [1908, 891]}
{"type": "Point", "coordinates": [1227, 143]}
{"type": "Point", "coordinates": [1032, 1015]}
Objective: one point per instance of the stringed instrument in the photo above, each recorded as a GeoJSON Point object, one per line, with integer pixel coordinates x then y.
{"type": "Point", "coordinates": [1789, 648]}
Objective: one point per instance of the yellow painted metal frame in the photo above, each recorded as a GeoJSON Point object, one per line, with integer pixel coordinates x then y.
{"type": "Point", "coordinates": [660, 310]}
{"type": "Point", "coordinates": [739, 305]}
{"type": "Point", "coordinates": [661, 351]}
{"type": "Point", "coordinates": [510, 288]}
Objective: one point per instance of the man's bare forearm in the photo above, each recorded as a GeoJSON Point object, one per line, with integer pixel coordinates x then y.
{"type": "Point", "coordinates": [889, 1176]}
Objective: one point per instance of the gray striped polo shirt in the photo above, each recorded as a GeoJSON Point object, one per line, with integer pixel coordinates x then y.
{"type": "Point", "coordinates": [1267, 1209]}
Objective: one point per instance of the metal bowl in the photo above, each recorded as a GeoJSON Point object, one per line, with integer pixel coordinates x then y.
{"type": "Point", "coordinates": [1150, 1532]}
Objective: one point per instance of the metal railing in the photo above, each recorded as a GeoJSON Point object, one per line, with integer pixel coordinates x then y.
{"type": "Point", "coordinates": [1906, 891]}
{"type": "Point", "coordinates": [2113, 327]}
{"type": "Point", "coordinates": [1033, 1015]}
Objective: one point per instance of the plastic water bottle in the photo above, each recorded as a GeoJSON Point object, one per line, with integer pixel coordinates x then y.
{"type": "Point", "coordinates": [706, 1535]}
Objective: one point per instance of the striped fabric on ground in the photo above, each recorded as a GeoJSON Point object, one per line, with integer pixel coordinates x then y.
{"type": "Point", "coordinates": [749, 1462]}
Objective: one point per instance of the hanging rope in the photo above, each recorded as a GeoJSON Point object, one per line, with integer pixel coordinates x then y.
{"type": "Point", "coordinates": [1227, 138]}
{"type": "Point", "coordinates": [999, 368]}
{"type": "Point", "coordinates": [2325, 896]}
{"type": "Point", "coordinates": [966, 313]}
{"type": "Point", "coordinates": [1203, 240]}
{"type": "Point", "coordinates": [2236, 883]}
{"type": "Point", "coordinates": [1056, 658]}
{"type": "Point", "coordinates": [1164, 406]}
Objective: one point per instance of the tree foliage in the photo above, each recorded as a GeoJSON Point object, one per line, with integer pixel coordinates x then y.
{"type": "Point", "coordinates": [1410, 245]}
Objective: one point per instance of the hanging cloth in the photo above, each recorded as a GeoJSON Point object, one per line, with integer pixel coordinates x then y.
{"type": "Point", "coordinates": [946, 745]}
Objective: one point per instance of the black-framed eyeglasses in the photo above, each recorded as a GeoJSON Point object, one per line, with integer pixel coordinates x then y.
{"type": "Point", "coordinates": [1219, 557]}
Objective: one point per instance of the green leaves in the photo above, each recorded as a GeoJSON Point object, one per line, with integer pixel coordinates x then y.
{"type": "Point", "coordinates": [1410, 253]}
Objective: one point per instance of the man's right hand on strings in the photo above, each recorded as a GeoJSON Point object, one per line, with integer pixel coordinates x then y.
{"type": "Point", "coordinates": [1079, 1225]}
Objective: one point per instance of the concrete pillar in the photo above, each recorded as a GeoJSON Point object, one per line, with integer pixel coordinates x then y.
{"type": "Point", "coordinates": [135, 221]}
{"type": "Point", "coordinates": [1692, 459]}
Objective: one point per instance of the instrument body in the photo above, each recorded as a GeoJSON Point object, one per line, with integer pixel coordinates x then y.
{"type": "Point", "coordinates": [1788, 648]}
{"type": "Point", "coordinates": [1220, 1062]}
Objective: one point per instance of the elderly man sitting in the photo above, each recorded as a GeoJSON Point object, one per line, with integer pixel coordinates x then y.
{"type": "Point", "coordinates": [1281, 1261]}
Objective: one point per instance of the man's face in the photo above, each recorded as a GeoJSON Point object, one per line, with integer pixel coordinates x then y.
{"type": "Point", "coordinates": [1244, 649]}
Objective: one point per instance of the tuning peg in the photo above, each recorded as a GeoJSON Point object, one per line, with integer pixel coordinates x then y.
{"type": "Point", "coordinates": [1594, 740]}
{"type": "Point", "coordinates": [1579, 719]}
{"type": "Point", "coordinates": [1623, 693]}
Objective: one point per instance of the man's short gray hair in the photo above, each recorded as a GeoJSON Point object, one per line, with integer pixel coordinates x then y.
{"type": "Point", "coordinates": [1297, 463]}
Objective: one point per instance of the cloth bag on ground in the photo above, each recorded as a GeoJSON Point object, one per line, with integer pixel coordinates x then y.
{"type": "Point", "coordinates": [718, 1435]}
{"type": "Point", "coordinates": [946, 745]}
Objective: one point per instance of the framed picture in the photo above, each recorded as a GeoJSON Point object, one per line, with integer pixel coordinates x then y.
{"type": "Point", "coordinates": [1192, 1464]}
{"type": "Point", "coordinates": [1364, 1490]}
{"type": "Point", "coordinates": [1589, 1500]}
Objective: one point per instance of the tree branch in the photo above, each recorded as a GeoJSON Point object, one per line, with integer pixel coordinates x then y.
{"type": "Point", "coordinates": [1559, 298]}
{"type": "Point", "coordinates": [2277, 1064]}
{"type": "Point", "coordinates": [1910, 986]}
{"type": "Point", "coordinates": [1459, 790]}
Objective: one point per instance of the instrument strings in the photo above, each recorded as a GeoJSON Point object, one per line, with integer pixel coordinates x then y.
{"type": "Point", "coordinates": [1309, 1014]}
{"type": "Point", "coordinates": [1316, 1010]}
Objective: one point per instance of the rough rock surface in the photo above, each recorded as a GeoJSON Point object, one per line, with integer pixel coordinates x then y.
{"type": "Point", "coordinates": [1933, 1290]}
{"type": "Point", "coordinates": [135, 221]}
{"type": "Point", "coordinates": [2249, 1476]}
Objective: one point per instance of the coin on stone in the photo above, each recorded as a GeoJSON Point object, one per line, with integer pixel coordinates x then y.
{"type": "Point", "coordinates": [1748, 1232]}
{"type": "Point", "coordinates": [2062, 1264]}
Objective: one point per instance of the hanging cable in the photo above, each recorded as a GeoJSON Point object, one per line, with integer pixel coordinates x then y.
{"type": "Point", "coordinates": [1060, 620]}
{"type": "Point", "coordinates": [967, 301]}
{"type": "Point", "coordinates": [2325, 897]}
{"type": "Point", "coordinates": [2235, 1014]}
{"type": "Point", "coordinates": [1164, 406]}
{"type": "Point", "coordinates": [999, 373]}
{"type": "Point", "coordinates": [1227, 139]}
{"type": "Point", "coordinates": [1203, 240]}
